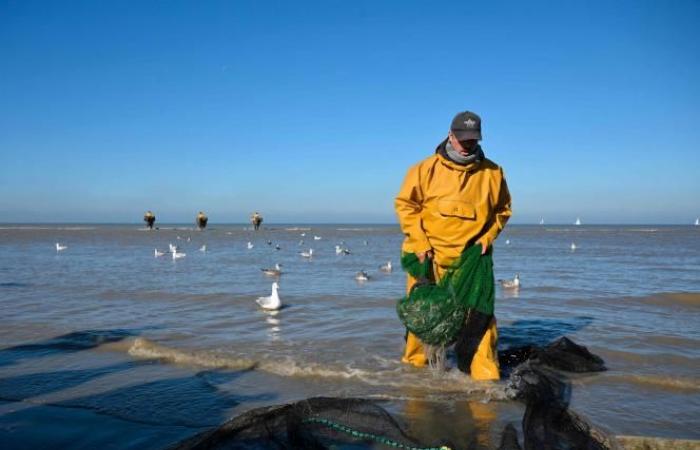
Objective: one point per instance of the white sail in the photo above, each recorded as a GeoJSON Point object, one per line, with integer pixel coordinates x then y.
{"type": "Point", "coordinates": [578, 221]}
{"type": "Point", "coordinates": [697, 221]}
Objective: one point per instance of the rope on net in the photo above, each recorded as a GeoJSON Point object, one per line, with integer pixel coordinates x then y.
{"type": "Point", "coordinates": [363, 435]}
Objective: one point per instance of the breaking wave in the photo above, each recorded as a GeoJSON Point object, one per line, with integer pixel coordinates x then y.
{"type": "Point", "coordinates": [452, 382]}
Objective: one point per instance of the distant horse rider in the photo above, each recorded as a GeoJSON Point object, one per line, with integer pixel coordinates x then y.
{"type": "Point", "coordinates": [201, 221]}
{"type": "Point", "coordinates": [256, 219]}
{"type": "Point", "coordinates": [150, 219]}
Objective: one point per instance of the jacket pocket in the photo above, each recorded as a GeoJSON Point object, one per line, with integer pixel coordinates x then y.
{"type": "Point", "coordinates": [457, 208]}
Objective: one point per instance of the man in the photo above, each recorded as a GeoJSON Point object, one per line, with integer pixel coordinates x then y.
{"type": "Point", "coordinates": [201, 220]}
{"type": "Point", "coordinates": [450, 201]}
{"type": "Point", "coordinates": [150, 219]}
{"type": "Point", "coordinates": [256, 219]}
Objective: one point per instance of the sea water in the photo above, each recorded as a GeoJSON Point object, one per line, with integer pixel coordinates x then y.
{"type": "Point", "coordinates": [141, 351]}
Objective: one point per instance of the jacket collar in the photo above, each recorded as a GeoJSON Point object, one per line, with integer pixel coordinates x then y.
{"type": "Point", "coordinates": [445, 160]}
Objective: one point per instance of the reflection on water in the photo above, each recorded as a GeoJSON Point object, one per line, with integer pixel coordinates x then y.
{"type": "Point", "coordinates": [274, 329]}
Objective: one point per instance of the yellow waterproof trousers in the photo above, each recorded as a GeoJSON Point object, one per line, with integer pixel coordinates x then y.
{"type": "Point", "coordinates": [484, 366]}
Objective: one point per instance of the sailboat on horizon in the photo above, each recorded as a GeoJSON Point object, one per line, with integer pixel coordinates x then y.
{"type": "Point", "coordinates": [578, 221]}
{"type": "Point", "coordinates": [541, 221]}
{"type": "Point", "coordinates": [697, 221]}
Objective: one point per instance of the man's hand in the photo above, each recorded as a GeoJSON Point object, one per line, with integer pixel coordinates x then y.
{"type": "Point", "coordinates": [422, 255]}
{"type": "Point", "coordinates": [483, 248]}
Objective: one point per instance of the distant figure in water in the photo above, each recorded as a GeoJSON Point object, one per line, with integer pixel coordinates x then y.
{"type": "Point", "coordinates": [150, 219]}
{"type": "Point", "coordinates": [201, 220]}
{"type": "Point", "coordinates": [256, 219]}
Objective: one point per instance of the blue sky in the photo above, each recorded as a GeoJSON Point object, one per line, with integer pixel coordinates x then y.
{"type": "Point", "coordinates": [313, 111]}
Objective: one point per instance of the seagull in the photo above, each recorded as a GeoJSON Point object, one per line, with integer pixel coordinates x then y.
{"type": "Point", "coordinates": [573, 247]}
{"type": "Point", "coordinates": [271, 302]}
{"type": "Point", "coordinates": [302, 234]}
{"type": "Point", "coordinates": [361, 276]}
{"type": "Point", "coordinates": [269, 242]}
{"type": "Point", "coordinates": [177, 255]}
{"type": "Point", "coordinates": [173, 248]}
{"type": "Point", "coordinates": [203, 248]}
{"type": "Point", "coordinates": [277, 271]}
{"type": "Point", "coordinates": [507, 241]}
{"type": "Point", "coordinates": [317, 238]}
{"type": "Point", "coordinates": [250, 245]}
{"type": "Point", "coordinates": [386, 267]}
{"type": "Point", "coordinates": [277, 247]}
{"type": "Point", "coordinates": [511, 284]}
{"type": "Point", "coordinates": [308, 254]}
{"type": "Point", "coordinates": [60, 247]}
{"type": "Point", "coordinates": [338, 250]}
{"type": "Point", "coordinates": [157, 253]}
{"type": "Point", "coordinates": [188, 239]}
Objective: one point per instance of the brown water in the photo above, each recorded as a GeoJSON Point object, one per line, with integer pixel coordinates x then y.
{"type": "Point", "coordinates": [157, 349]}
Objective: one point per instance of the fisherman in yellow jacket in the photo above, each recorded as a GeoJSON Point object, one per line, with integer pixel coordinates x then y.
{"type": "Point", "coordinates": [452, 200]}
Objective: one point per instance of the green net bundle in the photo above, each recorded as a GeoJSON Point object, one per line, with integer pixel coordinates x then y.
{"type": "Point", "coordinates": [435, 311]}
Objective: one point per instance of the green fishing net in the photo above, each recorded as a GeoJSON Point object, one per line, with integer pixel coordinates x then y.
{"type": "Point", "coordinates": [435, 311]}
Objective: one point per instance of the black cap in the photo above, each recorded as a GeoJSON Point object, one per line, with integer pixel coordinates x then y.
{"type": "Point", "coordinates": [466, 125]}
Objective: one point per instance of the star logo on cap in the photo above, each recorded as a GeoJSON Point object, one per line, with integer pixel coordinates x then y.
{"type": "Point", "coordinates": [470, 123]}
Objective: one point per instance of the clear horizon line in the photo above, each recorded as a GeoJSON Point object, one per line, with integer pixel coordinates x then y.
{"type": "Point", "coordinates": [337, 223]}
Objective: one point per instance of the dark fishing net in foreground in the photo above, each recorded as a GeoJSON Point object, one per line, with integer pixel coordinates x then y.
{"type": "Point", "coordinates": [350, 423]}
{"type": "Point", "coordinates": [314, 423]}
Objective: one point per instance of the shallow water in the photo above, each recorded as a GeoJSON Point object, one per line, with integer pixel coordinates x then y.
{"type": "Point", "coordinates": [631, 294]}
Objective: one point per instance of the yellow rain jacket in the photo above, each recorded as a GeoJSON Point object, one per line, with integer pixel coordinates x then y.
{"type": "Point", "coordinates": [445, 207]}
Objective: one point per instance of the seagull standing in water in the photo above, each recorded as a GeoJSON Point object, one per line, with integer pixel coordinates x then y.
{"type": "Point", "coordinates": [277, 271]}
{"type": "Point", "coordinates": [573, 247]}
{"type": "Point", "coordinates": [250, 245]}
{"type": "Point", "coordinates": [60, 248]}
{"type": "Point", "coordinates": [271, 302]}
{"type": "Point", "coordinates": [173, 248]}
{"type": "Point", "coordinates": [177, 255]}
{"type": "Point", "coordinates": [386, 267]}
{"type": "Point", "coordinates": [308, 254]}
{"type": "Point", "coordinates": [203, 248]}
{"type": "Point", "coordinates": [511, 284]}
{"type": "Point", "coordinates": [157, 253]}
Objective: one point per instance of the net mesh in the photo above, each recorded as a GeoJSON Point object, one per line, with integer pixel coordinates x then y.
{"type": "Point", "coordinates": [314, 423]}
{"type": "Point", "coordinates": [435, 311]}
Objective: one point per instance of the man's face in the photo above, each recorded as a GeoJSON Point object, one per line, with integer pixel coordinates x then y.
{"type": "Point", "coordinates": [465, 147]}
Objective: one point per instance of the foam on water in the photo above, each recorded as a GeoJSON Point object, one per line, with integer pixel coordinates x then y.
{"type": "Point", "coordinates": [453, 382]}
